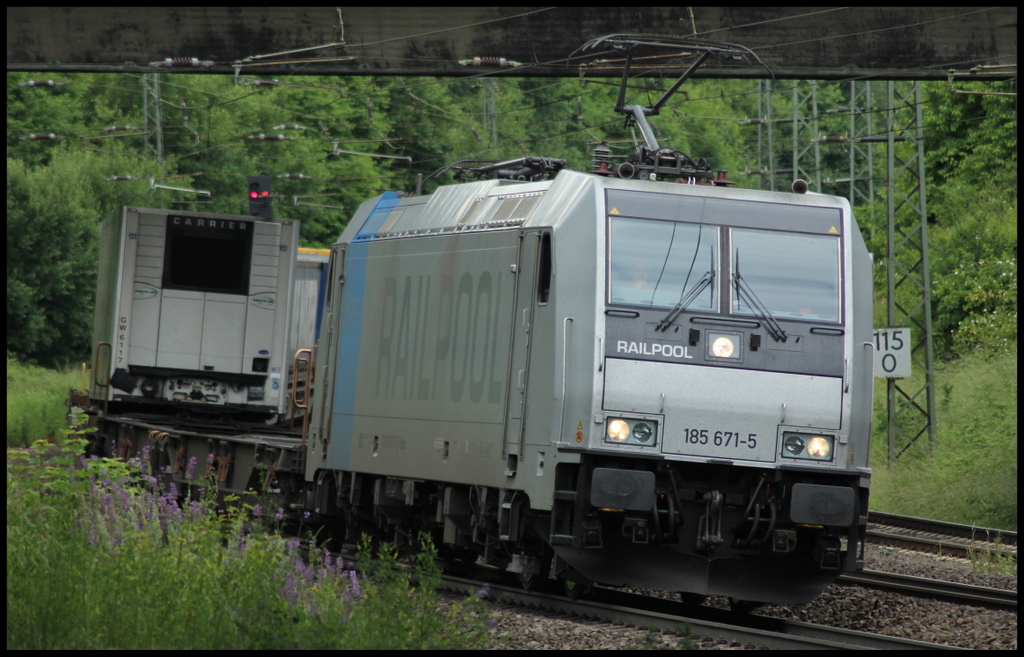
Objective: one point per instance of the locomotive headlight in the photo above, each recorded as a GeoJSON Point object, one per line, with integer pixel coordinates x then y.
{"type": "Point", "coordinates": [819, 447]}
{"type": "Point", "coordinates": [642, 432]}
{"type": "Point", "coordinates": [618, 430]}
{"type": "Point", "coordinates": [793, 444]}
{"type": "Point", "coordinates": [724, 345]}
{"type": "Point", "coordinates": [810, 447]}
{"type": "Point", "coordinates": [631, 432]}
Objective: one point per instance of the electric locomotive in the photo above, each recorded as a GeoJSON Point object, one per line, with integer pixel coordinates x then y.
{"type": "Point", "coordinates": [665, 385]}
{"type": "Point", "coordinates": [628, 380]}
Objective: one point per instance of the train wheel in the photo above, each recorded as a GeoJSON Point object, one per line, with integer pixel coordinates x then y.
{"type": "Point", "coordinates": [577, 589]}
{"type": "Point", "coordinates": [537, 581]}
{"type": "Point", "coordinates": [531, 581]}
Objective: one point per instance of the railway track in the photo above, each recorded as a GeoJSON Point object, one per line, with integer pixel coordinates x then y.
{"type": "Point", "coordinates": [619, 607]}
{"type": "Point", "coordinates": [946, 538]}
{"type": "Point", "coordinates": [933, 588]}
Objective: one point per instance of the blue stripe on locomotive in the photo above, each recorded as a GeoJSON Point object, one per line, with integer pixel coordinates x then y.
{"type": "Point", "coordinates": [351, 324]}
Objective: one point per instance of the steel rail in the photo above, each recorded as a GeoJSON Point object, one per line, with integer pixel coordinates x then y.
{"type": "Point", "coordinates": [972, 532]}
{"type": "Point", "coordinates": [704, 622]}
{"type": "Point", "coordinates": [912, 585]}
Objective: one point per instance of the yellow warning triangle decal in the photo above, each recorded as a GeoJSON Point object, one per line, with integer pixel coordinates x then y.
{"type": "Point", "coordinates": [833, 230]}
{"type": "Point", "coordinates": [614, 211]}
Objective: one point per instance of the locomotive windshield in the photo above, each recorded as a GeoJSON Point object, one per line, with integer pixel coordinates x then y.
{"type": "Point", "coordinates": [655, 263]}
{"type": "Point", "coordinates": [796, 276]}
{"type": "Point", "coordinates": [660, 264]}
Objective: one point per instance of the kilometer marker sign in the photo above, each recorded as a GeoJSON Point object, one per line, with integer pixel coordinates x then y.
{"type": "Point", "coordinates": [892, 353]}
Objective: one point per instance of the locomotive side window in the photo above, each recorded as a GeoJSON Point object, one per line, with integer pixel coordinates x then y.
{"type": "Point", "coordinates": [795, 276]}
{"type": "Point", "coordinates": [544, 272]}
{"type": "Point", "coordinates": [657, 263]}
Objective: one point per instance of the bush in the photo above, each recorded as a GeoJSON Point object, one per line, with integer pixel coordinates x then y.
{"type": "Point", "coordinates": [97, 558]}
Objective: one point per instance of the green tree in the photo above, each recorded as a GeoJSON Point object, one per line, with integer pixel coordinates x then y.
{"type": "Point", "coordinates": [53, 213]}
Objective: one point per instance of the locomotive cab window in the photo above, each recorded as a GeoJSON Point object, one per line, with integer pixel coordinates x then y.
{"type": "Point", "coordinates": [794, 275]}
{"type": "Point", "coordinates": [658, 263]}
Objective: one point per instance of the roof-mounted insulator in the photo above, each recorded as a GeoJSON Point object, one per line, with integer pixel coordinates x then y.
{"type": "Point", "coordinates": [834, 139]}
{"type": "Point", "coordinates": [720, 179]}
{"type": "Point", "coordinates": [181, 62]}
{"type": "Point", "coordinates": [49, 137]}
{"type": "Point", "coordinates": [41, 83]}
{"type": "Point", "coordinates": [116, 178]}
{"type": "Point", "coordinates": [490, 62]}
{"type": "Point", "coordinates": [602, 157]}
{"type": "Point", "coordinates": [294, 126]}
{"type": "Point", "coordinates": [298, 176]}
{"type": "Point", "coordinates": [262, 137]}
{"type": "Point", "coordinates": [115, 128]}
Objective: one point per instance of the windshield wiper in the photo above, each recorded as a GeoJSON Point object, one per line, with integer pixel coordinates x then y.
{"type": "Point", "coordinates": [706, 280]}
{"type": "Point", "coordinates": [745, 292]}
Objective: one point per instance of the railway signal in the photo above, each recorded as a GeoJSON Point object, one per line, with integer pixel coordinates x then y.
{"type": "Point", "coordinates": [259, 197]}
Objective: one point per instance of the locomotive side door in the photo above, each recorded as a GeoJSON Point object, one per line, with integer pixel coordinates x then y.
{"type": "Point", "coordinates": [320, 413]}
{"type": "Point", "coordinates": [526, 285]}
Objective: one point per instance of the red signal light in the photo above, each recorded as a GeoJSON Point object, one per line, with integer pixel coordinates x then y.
{"type": "Point", "coordinates": [260, 197]}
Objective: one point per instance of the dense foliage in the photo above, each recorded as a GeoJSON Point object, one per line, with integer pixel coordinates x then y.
{"type": "Point", "coordinates": [98, 557]}
{"type": "Point", "coordinates": [357, 137]}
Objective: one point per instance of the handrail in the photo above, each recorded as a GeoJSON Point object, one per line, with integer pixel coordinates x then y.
{"type": "Point", "coordinates": [565, 358]}
{"type": "Point", "coordinates": [96, 372]}
{"type": "Point", "coordinates": [304, 402]}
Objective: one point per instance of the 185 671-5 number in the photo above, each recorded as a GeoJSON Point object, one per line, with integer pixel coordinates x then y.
{"type": "Point", "coordinates": [720, 438]}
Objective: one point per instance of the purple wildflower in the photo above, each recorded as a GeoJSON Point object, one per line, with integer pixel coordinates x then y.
{"type": "Point", "coordinates": [191, 468]}
{"type": "Point", "coordinates": [288, 591]}
{"type": "Point", "coordinates": [280, 514]}
{"type": "Point", "coordinates": [483, 591]}
{"type": "Point", "coordinates": [304, 571]}
{"type": "Point", "coordinates": [257, 510]}
{"type": "Point", "coordinates": [356, 589]}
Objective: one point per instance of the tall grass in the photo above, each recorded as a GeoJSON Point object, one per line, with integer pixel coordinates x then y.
{"type": "Point", "coordinates": [35, 402]}
{"type": "Point", "coordinates": [972, 475]}
{"type": "Point", "coordinates": [98, 559]}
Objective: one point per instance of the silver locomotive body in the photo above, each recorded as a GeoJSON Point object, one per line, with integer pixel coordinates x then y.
{"type": "Point", "coordinates": [657, 384]}
{"type": "Point", "coordinates": [195, 310]}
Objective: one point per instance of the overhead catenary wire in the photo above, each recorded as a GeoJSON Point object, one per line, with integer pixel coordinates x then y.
{"type": "Point", "coordinates": [294, 113]}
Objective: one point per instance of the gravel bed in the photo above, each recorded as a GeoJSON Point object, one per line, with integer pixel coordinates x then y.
{"type": "Point", "coordinates": [846, 606]}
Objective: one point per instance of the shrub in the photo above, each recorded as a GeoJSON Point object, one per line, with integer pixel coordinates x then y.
{"type": "Point", "coordinates": [98, 557]}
